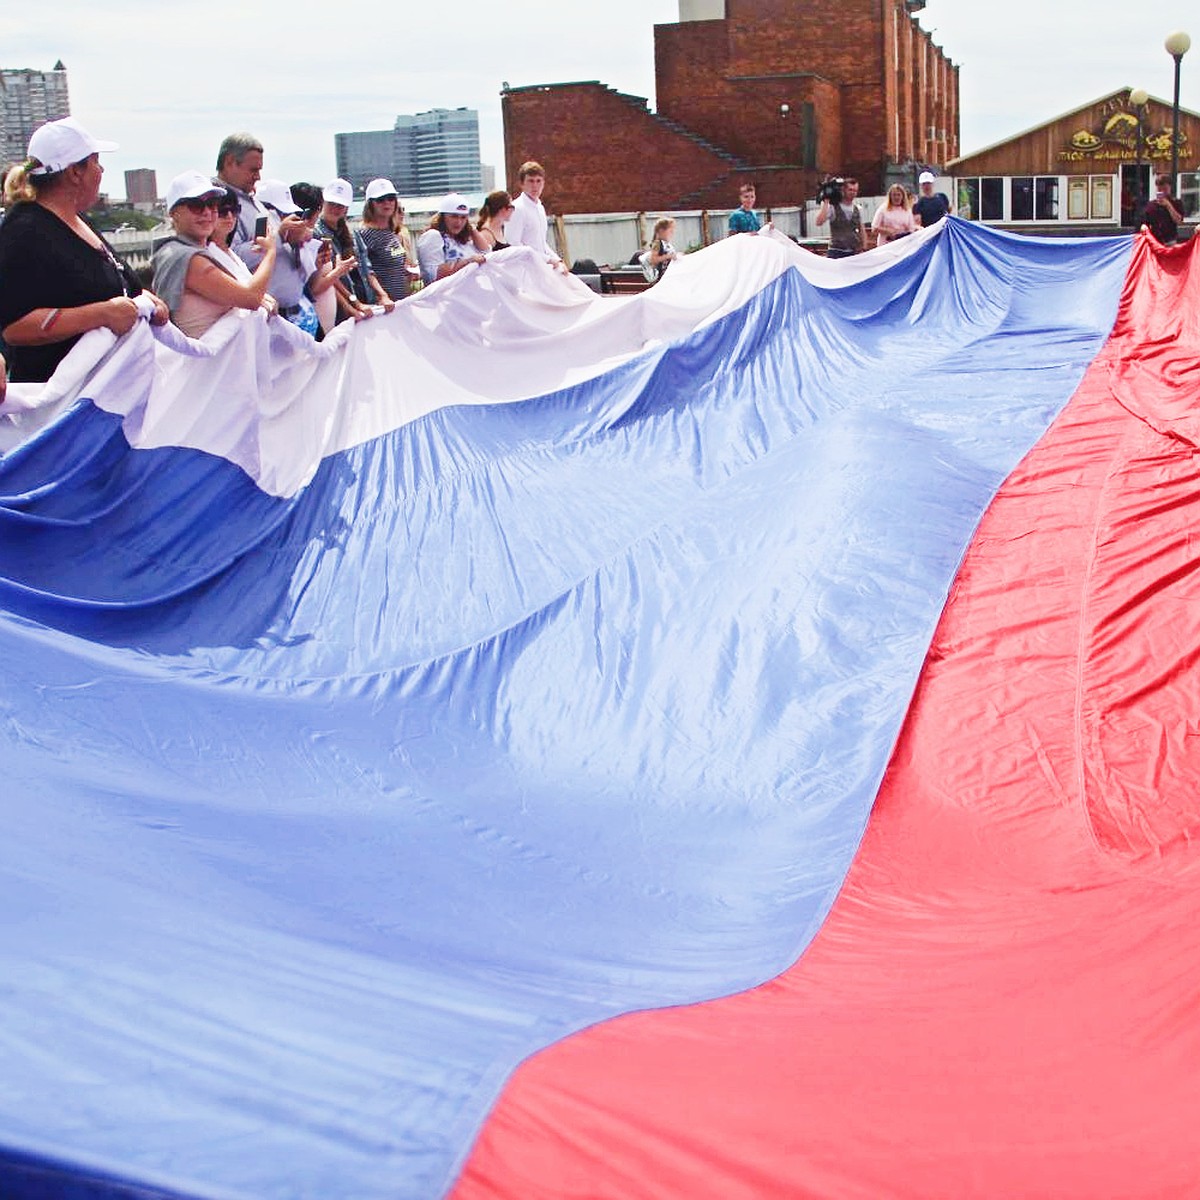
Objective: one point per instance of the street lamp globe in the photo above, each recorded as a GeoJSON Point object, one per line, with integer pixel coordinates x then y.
{"type": "Point", "coordinates": [1138, 97]}
{"type": "Point", "coordinates": [1177, 43]}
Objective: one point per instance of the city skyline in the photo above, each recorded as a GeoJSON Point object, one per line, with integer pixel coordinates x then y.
{"type": "Point", "coordinates": [168, 111]}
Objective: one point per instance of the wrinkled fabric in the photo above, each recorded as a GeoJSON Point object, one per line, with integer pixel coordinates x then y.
{"type": "Point", "coordinates": [1002, 1001]}
{"type": "Point", "coordinates": [376, 714]}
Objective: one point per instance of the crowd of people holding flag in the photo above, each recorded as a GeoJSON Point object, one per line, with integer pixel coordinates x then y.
{"type": "Point", "coordinates": [237, 241]}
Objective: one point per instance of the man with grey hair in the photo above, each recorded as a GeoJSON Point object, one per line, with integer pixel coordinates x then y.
{"type": "Point", "coordinates": [239, 166]}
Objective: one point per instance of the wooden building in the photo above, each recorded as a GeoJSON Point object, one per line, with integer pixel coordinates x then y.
{"type": "Point", "coordinates": [1093, 166]}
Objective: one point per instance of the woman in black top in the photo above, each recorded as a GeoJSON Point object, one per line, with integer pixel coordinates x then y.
{"type": "Point", "coordinates": [493, 213]}
{"type": "Point", "coordinates": [59, 278]}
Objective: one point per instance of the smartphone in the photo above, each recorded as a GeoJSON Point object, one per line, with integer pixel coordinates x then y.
{"type": "Point", "coordinates": [260, 227]}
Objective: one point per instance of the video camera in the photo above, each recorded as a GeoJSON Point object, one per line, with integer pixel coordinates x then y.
{"type": "Point", "coordinates": [831, 189]}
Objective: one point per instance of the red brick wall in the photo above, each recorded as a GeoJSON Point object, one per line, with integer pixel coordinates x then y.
{"type": "Point", "coordinates": [875, 81]}
{"type": "Point", "coordinates": [726, 79]}
{"type": "Point", "coordinates": [601, 152]}
{"type": "Point", "coordinates": [691, 62]}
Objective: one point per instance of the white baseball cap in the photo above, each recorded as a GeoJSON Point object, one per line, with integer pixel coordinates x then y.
{"type": "Point", "coordinates": [337, 192]}
{"type": "Point", "coordinates": [926, 177]}
{"type": "Point", "coordinates": [378, 188]}
{"type": "Point", "coordinates": [60, 143]}
{"type": "Point", "coordinates": [191, 185]}
{"type": "Point", "coordinates": [276, 194]}
{"type": "Point", "coordinates": [454, 204]}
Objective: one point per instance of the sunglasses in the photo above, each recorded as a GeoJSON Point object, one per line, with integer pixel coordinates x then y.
{"type": "Point", "coordinates": [198, 206]}
{"type": "Point", "coordinates": [228, 210]}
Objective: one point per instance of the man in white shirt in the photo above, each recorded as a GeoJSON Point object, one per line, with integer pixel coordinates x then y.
{"type": "Point", "coordinates": [527, 225]}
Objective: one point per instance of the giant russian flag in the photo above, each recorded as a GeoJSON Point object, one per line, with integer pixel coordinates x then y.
{"type": "Point", "coordinates": [735, 741]}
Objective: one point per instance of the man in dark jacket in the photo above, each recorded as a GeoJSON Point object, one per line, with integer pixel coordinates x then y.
{"type": "Point", "coordinates": [1162, 214]}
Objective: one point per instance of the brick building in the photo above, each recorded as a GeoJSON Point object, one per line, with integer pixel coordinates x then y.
{"type": "Point", "coordinates": [783, 91]}
{"type": "Point", "coordinates": [141, 188]}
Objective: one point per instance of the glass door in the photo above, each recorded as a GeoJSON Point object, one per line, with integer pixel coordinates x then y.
{"type": "Point", "coordinates": [1135, 191]}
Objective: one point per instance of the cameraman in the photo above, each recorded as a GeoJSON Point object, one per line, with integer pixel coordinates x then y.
{"type": "Point", "coordinates": [845, 221]}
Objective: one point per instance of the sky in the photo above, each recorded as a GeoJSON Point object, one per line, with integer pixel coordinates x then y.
{"type": "Point", "coordinates": [296, 74]}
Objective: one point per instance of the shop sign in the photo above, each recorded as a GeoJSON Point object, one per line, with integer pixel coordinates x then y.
{"type": "Point", "coordinates": [1113, 138]}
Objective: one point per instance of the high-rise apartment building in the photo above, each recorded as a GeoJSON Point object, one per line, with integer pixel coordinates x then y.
{"type": "Point", "coordinates": [443, 145]}
{"type": "Point", "coordinates": [423, 154]}
{"type": "Point", "coordinates": [29, 99]}
{"type": "Point", "coordinates": [364, 156]}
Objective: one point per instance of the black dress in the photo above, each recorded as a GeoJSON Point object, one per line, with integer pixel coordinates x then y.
{"type": "Point", "coordinates": [45, 264]}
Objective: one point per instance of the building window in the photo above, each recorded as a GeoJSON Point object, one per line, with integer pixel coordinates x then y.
{"type": "Point", "coordinates": [1045, 195]}
{"type": "Point", "coordinates": [991, 199]}
{"type": "Point", "coordinates": [981, 199]}
{"type": "Point", "coordinates": [1102, 197]}
{"type": "Point", "coordinates": [1189, 192]}
{"type": "Point", "coordinates": [968, 199]}
{"type": "Point", "coordinates": [1022, 198]}
{"type": "Point", "coordinates": [1034, 198]}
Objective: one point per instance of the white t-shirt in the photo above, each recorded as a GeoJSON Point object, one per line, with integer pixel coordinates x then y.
{"type": "Point", "coordinates": [435, 248]}
{"type": "Point", "coordinates": [527, 226]}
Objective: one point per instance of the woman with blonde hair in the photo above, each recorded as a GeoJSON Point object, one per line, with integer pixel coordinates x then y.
{"type": "Point", "coordinates": [196, 285]}
{"type": "Point", "coordinates": [386, 255]}
{"type": "Point", "coordinates": [59, 279]}
{"type": "Point", "coordinates": [893, 218]}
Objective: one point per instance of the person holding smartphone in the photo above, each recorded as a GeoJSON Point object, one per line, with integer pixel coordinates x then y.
{"type": "Point", "coordinates": [322, 287]}
{"type": "Point", "coordinates": [295, 267]}
{"type": "Point", "coordinates": [354, 293]}
{"type": "Point", "coordinates": [1162, 215]}
{"type": "Point", "coordinates": [196, 287]}
{"type": "Point", "coordinates": [239, 168]}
